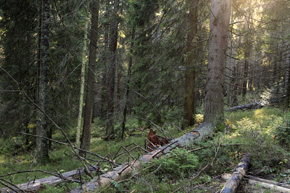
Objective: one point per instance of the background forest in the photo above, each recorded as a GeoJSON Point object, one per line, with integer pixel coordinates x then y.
{"type": "Point", "coordinates": [84, 76]}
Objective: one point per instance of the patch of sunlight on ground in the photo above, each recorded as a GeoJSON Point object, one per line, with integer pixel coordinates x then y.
{"type": "Point", "coordinates": [2, 159]}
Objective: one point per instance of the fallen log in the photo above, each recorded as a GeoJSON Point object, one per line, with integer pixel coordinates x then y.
{"type": "Point", "coordinates": [269, 184]}
{"type": "Point", "coordinates": [257, 105]}
{"type": "Point", "coordinates": [36, 185]}
{"type": "Point", "coordinates": [240, 171]}
{"type": "Point", "coordinates": [201, 132]}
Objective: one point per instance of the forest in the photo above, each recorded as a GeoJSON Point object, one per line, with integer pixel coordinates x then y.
{"type": "Point", "coordinates": [144, 96]}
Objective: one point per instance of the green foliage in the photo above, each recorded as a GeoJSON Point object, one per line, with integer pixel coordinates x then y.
{"type": "Point", "coordinates": [179, 163]}
{"type": "Point", "coordinates": [59, 189]}
{"type": "Point", "coordinates": [260, 116]}
{"type": "Point", "coordinates": [258, 141]}
{"type": "Point", "coordinates": [283, 133]}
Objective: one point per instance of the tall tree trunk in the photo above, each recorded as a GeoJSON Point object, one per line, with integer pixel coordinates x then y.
{"type": "Point", "coordinates": [128, 82]}
{"type": "Point", "coordinates": [41, 130]}
{"type": "Point", "coordinates": [246, 73]}
{"type": "Point", "coordinates": [189, 104]}
{"type": "Point", "coordinates": [287, 84]}
{"type": "Point", "coordinates": [82, 88]}
{"type": "Point", "coordinates": [230, 67]}
{"type": "Point", "coordinates": [247, 48]}
{"type": "Point", "coordinates": [287, 67]}
{"type": "Point", "coordinates": [112, 69]}
{"type": "Point", "coordinates": [118, 97]}
{"type": "Point", "coordinates": [279, 70]}
{"type": "Point", "coordinates": [88, 113]}
{"type": "Point", "coordinates": [219, 24]}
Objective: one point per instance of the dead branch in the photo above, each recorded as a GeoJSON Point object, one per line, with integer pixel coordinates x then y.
{"type": "Point", "coordinates": [36, 185]}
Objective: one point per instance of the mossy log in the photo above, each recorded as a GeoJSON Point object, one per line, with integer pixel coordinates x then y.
{"type": "Point", "coordinates": [240, 171]}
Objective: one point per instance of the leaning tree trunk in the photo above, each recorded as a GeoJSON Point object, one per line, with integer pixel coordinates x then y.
{"type": "Point", "coordinates": [189, 105]}
{"type": "Point", "coordinates": [88, 114]}
{"type": "Point", "coordinates": [219, 24]}
{"type": "Point", "coordinates": [41, 143]}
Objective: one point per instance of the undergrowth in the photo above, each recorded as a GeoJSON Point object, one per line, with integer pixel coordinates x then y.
{"type": "Point", "coordinates": [263, 132]}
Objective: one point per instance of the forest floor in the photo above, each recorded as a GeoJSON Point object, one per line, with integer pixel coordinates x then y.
{"type": "Point", "coordinates": [263, 132]}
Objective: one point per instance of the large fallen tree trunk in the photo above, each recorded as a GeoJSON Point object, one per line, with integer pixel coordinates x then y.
{"type": "Point", "coordinates": [240, 171]}
{"type": "Point", "coordinates": [201, 132]}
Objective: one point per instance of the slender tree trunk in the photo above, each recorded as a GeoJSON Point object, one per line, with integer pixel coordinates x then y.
{"type": "Point", "coordinates": [247, 48]}
{"type": "Point", "coordinates": [287, 67]}
{"type": "Point", "coordinates": [118, 92]}
{"type": "Point", "coordinates": [246, 73]}
{"type": "Point", "coordinates": [82, 88]}
{"type": "Point", "coordinates": [251, 88]}
{"type": "Point", "coordinates": [189, 104]}
{"type": "Point", "coordinates": [128, 82]}
{"type": "Point", "coordinates": [219, 24]}
{"type": "Point", "coordinates": [287, 85]}
{"type": "Point", "coordinates": [230, 66]}
{"type": "Point", "coordinates": [88, 113]}
{"type": "Point", "coordinates": [258, 72]}
{"type": "Point", "coordinates": [112, 70]}
{"type": "Point", "coordinates": [274, 72]}
{"type": "Point", "coordinates": [41, 130]}
{"type": "Point", "coordinates": [279, 71]}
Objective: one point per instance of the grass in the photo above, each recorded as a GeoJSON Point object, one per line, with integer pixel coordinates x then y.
{"type": "Point", "coordinates": [260, 116]}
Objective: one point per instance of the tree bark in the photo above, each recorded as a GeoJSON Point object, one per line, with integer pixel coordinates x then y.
{"type": "Point", "coordinates": [82, 88]}
{"type": "Point", "coordinates": [214, 97]}
{"type": "Point", "coordinates": [230, 66]}
{"type": "Point", "coordinates": [128, 82]}
{"type": "Point", "coordinates": [246, 73]}
{"type": "Point", "coordinates": [112, 69]}
{"type": "Point", "coordinates": [41, 130]}
{"type": "Point", "coordinates": [190, 75]}
{"type": "Point", "coordinates": [247, 48]}
{"type": "Point", "coordinates": [287, 78]}
{"type": "Point", "coordinates": [88, 114]}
